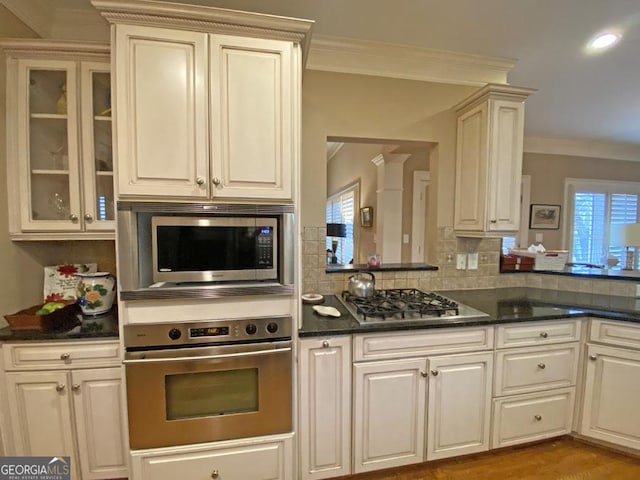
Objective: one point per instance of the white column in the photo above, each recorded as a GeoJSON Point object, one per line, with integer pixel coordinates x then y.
{"type": "Point", "coordinates": [388, 218]}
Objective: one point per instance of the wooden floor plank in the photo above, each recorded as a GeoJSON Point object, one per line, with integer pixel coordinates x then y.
{"type": "Point", "coordinates": [559, 459]}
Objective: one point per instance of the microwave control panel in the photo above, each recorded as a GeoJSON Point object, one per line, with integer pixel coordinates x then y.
{"type": "Point", "coordinates": [264, 247]}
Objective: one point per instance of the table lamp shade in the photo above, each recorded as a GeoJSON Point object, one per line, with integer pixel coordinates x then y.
{"type": "Point", "coordinates": [336, 230]}
{"type": "Point", "coordinates": [625, 235]}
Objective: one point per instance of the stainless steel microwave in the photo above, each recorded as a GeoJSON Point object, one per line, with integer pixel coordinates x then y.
{"type": "Point", "coordinates": [211, 249]}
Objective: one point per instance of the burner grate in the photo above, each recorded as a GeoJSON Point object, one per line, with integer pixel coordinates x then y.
{"type": "Point", "coordinates": [401, 303]}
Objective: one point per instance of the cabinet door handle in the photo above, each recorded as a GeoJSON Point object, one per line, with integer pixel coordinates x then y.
{"type": "Point", "coordinates": [542, 366]}
{"type": "Point", "coordinates": [74, 218]}
{"type": "Point", "coordinates": [75, 387]}
{"type": "Point", "coordinates": [593, 357]}
{"type": "Point", "coordinates": [544, 334]}
{"type": "Point", "coordinates": [65, 356]}
{"type": "Point", "coordinates": [423, 373]}
{"type": "Point", "coordinates": [538, 417]}
{"type": "Point", "coordinates": [88, 217]}
{"type": "Point", "coordinates": [434, 373]}
{"type": "Point", "coordinates": [493, 221]}
{"type": "Point", "coordinates": [326, 344]}
{"type": "Point", "coordinates": [216, 181]}
{"type": "Point", "coordinates": [60, 387]}
{"type": "Point", "coordinates": [200, 181]}
{"type": "Point", "coordinates": [215, 473]}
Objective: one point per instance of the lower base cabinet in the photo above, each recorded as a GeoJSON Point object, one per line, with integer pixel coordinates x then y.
{"type": "Point", "coordinates": [73, 411]}
{"type": "Point", "coordinates": [266, 458]}
{"type": "Point", "coordinates": [612, 396]}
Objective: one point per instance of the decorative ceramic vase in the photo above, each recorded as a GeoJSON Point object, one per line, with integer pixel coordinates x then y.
{"type": "Point", "coordinates": [96, 292]}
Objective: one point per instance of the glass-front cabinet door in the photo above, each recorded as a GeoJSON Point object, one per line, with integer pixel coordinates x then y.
{"type": "Point", "coordinates": [48, 157]}
{"type": "Point", "coordinates": [99, 200]}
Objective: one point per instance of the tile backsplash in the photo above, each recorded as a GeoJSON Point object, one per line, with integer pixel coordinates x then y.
{"type": "Point", "coordinates": [488, 275]}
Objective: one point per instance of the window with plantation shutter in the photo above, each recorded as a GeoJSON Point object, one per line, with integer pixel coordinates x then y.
{"type": "Point", "coordinates": [341, 208]}
{"type": "Point", "coordinates": [594, 206]}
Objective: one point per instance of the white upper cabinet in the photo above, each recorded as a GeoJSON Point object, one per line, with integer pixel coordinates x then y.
{"type": "Point", "coordinates": [489, 161]}
{"type": "Point", "coordinates": [207, 101]}
{"type": "Point", "coordinates": [59, 154]}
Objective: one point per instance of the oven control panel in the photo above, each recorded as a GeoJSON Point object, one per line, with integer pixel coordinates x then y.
{"type": "Point", "coordinates": [213, 331]}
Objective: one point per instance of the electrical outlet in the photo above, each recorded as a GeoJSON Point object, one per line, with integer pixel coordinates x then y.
{"type": "Point", "coordinates": [461, 261]}
{"type": "Point", "coordinates": [472, 261]}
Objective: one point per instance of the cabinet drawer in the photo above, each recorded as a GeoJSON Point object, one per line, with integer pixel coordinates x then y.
{"type": "Point", "coordinates": [624, 334]}
{"type": "Point", "coordinates": [260, 461]}
{"type": "Point", "coordinates": [525, 370]}
{"type": "Point", "coordinates": [525, 418]}
{"type": "Point", "coordinates": [538, 333]}
{"type": "Point", "coordinates": [422, 342]}
{"type": "Point", "coordinates": [59, 355]}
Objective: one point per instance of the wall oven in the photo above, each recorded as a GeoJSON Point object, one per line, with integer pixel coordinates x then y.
{"type": "Point", "coordinates": [208, 381]}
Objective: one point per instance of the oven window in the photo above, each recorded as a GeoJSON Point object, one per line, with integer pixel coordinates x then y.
{"type": "Point", "coordinates": [206, 394]}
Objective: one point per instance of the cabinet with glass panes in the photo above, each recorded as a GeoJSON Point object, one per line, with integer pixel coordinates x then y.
{"type": "Point", "coordinates": [59, 148]}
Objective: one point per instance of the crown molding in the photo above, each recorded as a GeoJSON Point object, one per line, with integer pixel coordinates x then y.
{"type": "Point", "coordinates": [583, 148]}
{"type": "Point", "coordinates": [44, 48]}
{"type": "Point", "coordinates": [333, 148]}
{"type": "Point", "coordinates": [347, 55]}
{"type": "Point", "coordinates": [205, 19]}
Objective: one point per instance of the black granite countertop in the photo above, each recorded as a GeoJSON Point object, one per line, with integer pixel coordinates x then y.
{"type": "Point", "coordinates": [589, 272]}
{"type": "Point", "coordinates": [501, 304]}
{"type": "Point", "coordinates": [98, 327]}
{"type": "Point", "coordinates": [385, 267]}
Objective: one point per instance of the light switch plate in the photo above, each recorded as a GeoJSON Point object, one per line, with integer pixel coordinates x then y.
{"type": "Point", "coordinates": [405, 238]}
{"type": "Point", "coordinates": [539, 237]}
{"type": "Point", "coordinates": [461, 261]}
{"type": "Point", "coordinates": [637, 290]}
{"type": "Point", "coordinates": [472, 261]}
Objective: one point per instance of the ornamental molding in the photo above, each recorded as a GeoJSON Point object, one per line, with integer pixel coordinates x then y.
{"type": "Point", "coordinates": [347, 55]}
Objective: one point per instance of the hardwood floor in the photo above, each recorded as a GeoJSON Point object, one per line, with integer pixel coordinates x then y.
{"type": "Point", "coordinates": [560, 459]}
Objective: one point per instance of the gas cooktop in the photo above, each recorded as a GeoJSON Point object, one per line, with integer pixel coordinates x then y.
{"type": "Point", "coordinates": [405, 304]}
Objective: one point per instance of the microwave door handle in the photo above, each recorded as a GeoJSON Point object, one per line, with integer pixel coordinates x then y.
{"type": "Point", "coordinates": [205, 357]}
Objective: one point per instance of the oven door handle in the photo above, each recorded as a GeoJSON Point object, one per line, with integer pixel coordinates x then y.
{"type": "Point", "coordinates": [140, 357]}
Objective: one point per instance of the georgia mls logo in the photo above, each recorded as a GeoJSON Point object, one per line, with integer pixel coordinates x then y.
{"type": "Point", "coordinates": [35, 468]}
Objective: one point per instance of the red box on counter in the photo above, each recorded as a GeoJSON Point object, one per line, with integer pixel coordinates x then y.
{"type": "Point", "coordinates": [513, 263]}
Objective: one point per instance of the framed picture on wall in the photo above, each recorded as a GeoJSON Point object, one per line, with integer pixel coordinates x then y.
{"type": "Point", "coordinates": [545, 217]}
{"type": "Point", "coordinates": [366, 216]}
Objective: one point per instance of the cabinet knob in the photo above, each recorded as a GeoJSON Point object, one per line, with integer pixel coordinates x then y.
{"type": "Point", "coordinates": [88, 217]}
{"type": "Point", "coordinates": [593, 357]}
{"type": "Point", "coordinates": [75, 387]}
{"type": "Point", "coordinates": [538, 417]}
{"type": "Point", "coordinates": [544, 334]}
{"type": "Point", "coordinates": [60, 387]}
{"type": "Point", "coordinates": [542, 366]}
{"type": "Point", "coordinates": [434, 373]}
{"type": "Point", "coordinates": [215, 473]}
{"type": "Point", "coordinates": [216, 181]}
{"type": "Point", "coordinates": [200, 181]}
{"type": "Point", "coordinates": [423, 373]}
{"type": "Point", "coordinates": [325, 344]}
{"type": "Point", "coordinates": [74, 218]}
{"type": "Point", "coordinates": [65, 356]}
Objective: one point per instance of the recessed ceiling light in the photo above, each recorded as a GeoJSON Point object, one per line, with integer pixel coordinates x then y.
{"type": "Point", "coordinates": [604, 40]}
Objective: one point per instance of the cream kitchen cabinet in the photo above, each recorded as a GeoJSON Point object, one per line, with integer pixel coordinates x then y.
{"type": "Point", "coordinates": [325, 407]}
{"type": "Point", "coordinates": [490, 128]}
{"type": "Point", "coordinates": [71, 406]}
{"type": "Point", "coordinates": [265, 458]}
{"type": "Point", "coordinates": [419, 387]}
{"type": "Point", "coordinates": [612, 384]}
{"type": "Point", "coordinates": [535, 378]}
{"type": "Point", "coordinates": [224, 121]}
{"type": "Point", "coordinates": [459, 406]}
{"type": "Point", "coordinates": [59, 154]}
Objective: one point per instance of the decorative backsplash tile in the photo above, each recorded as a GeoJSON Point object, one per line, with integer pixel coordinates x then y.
{"type": "Point", "coordinates": [488, 275]}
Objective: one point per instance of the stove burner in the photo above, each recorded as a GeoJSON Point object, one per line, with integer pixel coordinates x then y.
{"type": "Point", "coordinates": [403, 303]}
